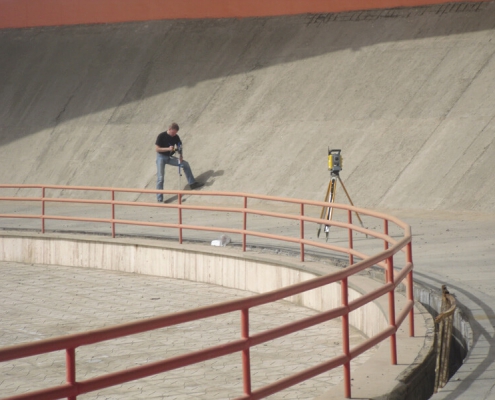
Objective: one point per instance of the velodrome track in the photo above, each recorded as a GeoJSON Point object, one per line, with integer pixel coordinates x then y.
{"type": "Point", "coordinates": [408, 95]}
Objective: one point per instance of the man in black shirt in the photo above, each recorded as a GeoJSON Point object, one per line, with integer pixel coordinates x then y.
{"type": "Point", "coordinates": [166, 143]}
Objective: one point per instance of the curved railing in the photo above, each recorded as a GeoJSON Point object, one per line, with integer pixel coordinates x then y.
{"type": "Point", "coordinates": [16, 206]}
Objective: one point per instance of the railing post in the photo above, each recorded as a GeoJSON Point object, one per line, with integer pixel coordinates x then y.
{"type": "Point", "coordinates": [246, 360]}
{"type": "Point", "coordinates": [344, 294]}
{"type": "Point", "coordinates": [70, 367]}
{"type": "Point", "coordinates": [244, 224]}
{"type": "Point", "coordinates": [113, 213]}
{"type": "Point", "coordinates": [385, 231]}
{"type": "Point", "coordinates": [410, 289]}
{"type": "Point", "coordinates": [180, 217]}
{"type": "Point", "coordinates": [43, 209]}
{"type": "Point", "coordinates": [351, 242]}
{"type": "Point", "coordinates": [301, 230]}
{"type": "Point", "coordinates": [391, 310]}
{"type": "Point", "coordinates": [391, 298]}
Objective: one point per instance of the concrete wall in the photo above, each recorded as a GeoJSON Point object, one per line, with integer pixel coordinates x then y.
{"type": "Point", "coordinates": [29, 13]}
{"type": "Point", "coordinates": [407, 94]}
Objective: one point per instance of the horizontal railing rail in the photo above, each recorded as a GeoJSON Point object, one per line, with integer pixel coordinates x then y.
{"type": "Point", "coordinates": [384, 259]}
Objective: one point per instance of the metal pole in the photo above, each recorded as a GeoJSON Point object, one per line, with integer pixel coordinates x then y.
{"type": "Point", "coordinates": [244, 224]}
{"type": "Point", "coordinates": [301, 229]}
{"type": "Point", "coordinates": [345, 338]}
{"type": "Point", "coordinates": [180, 217]}
{"type": "Point", "coordinates": [246, 361]}
{"type": "Point", "coordinates": [70, 366]}
{"type": "Point", "coordinates": [43, 209]}
{"type": "Point", "coordinates": [385, 231]}
{"type": "Point", "coordinates": [410, 289]}
{"type": "Point", "coordinates": [113, 213]}
{"type": "Point", "coordinates": [351, 242]}
{"type": "Point", "coordinates": [391, 310]}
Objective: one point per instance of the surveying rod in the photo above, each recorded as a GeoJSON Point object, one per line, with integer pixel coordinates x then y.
{"type": "Point", "coordinates": [179, 150]}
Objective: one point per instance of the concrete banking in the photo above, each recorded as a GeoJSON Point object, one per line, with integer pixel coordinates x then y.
{"type": "Point", "coordinates": [407, 94]}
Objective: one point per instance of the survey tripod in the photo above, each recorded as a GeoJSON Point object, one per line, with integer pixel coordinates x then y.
{"type": "Point", "coordinates": [335, 161]}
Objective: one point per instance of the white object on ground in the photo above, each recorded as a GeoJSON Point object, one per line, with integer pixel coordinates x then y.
{"type": "Point", "coordinates": [224, 240]}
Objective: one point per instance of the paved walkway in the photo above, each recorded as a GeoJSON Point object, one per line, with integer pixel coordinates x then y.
{"type": "Point", "coordinates": [38, 302]}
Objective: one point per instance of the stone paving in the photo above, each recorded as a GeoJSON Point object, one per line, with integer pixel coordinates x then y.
{"type": "Point", "coordinates": [38, 302]}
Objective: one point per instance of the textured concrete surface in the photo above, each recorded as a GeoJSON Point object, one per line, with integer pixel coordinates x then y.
{"type": "Point", "coordinates": [408, 95]}
{"type": "Point", "coordinates": [39, 302]}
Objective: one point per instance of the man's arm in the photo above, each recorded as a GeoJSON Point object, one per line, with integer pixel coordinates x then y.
{"type": "Point", "coordinates": [163, 149]}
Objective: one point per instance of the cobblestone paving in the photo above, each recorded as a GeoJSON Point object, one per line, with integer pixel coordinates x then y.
{"type": "Point", "coordinates": [38, 302]}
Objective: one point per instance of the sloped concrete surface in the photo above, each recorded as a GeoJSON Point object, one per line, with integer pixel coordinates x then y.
{"type": "Point", "coordinates": [408, 95]}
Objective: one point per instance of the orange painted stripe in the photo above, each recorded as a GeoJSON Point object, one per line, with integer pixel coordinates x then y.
{"type": "Point", "coordinates": [30, 13]}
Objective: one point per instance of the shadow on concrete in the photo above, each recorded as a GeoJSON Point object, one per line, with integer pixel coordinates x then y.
{"type": "Point", "coordinates": [205, 177]}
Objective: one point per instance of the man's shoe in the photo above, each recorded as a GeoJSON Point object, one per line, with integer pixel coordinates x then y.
{"type": "Point", "coordinates": [196, 185]}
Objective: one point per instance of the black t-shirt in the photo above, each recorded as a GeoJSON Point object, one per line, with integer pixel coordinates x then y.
{"type": "Point", "coordinates": [165, 140]}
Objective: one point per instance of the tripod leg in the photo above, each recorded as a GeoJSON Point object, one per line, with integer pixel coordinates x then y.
{"type": "Point", "coordinates": [329, 215]}
{"type": "Point", "coordinates": [350, 201]}
{"type": "Point", "coordinates": [323, 208]}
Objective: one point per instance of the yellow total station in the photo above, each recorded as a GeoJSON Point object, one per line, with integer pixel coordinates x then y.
{"type": "Point", "coordinates": [335, 161]}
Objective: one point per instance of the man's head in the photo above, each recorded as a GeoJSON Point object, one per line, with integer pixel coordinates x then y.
{"type": "Point", "coordinates": [173, 129]}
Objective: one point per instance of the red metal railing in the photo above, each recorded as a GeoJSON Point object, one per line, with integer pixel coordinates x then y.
{"type": "Point", "coordinates": [384, 259]}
